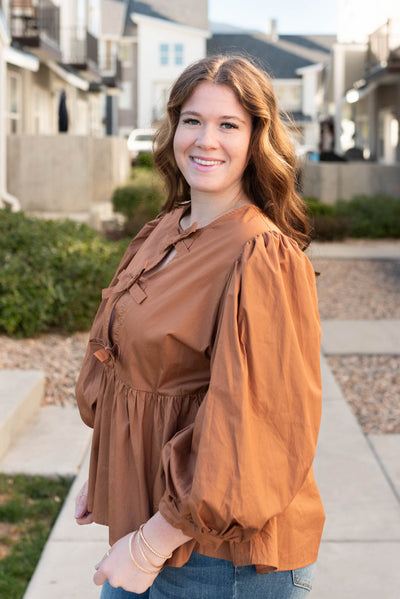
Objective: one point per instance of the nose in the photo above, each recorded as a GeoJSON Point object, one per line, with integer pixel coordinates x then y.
{"type": "Point", "coordinates": [206, 137]}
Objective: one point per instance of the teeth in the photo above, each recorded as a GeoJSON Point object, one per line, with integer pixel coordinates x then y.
{"type": "Point", "coordinates": [206, 162]}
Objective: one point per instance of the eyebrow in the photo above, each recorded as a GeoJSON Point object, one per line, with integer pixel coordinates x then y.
{"type": "Point", "coordinates": [224, 116]}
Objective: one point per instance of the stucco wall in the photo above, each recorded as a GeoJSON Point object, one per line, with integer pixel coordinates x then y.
{"type": "Point", "coordinates": [332, 181]}
{"type": "Point", "coordinates": [65, 175]}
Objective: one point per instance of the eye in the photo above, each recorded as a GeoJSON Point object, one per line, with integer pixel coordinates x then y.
{"type": "Point", "coordinates": [228, 125]}
{"type": "Point", "coordinates": [190, 121]}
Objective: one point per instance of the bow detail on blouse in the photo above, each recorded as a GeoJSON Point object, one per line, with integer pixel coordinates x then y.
{"type": "Point", "coordinates": [106, 351]}
{"type": "Point", "coordinates": [181, 236]}
{"type": "Point", "coordinates": [125, 280]}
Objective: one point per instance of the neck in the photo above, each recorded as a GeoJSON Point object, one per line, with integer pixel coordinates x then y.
{"type": "Point", "coordinates": [205, 207]}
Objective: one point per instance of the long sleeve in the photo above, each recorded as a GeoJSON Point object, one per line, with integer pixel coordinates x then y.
{"type": "Point", "coordinates": [251, 447]}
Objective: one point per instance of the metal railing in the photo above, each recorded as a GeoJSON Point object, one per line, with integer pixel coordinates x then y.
{"type": "Point", "coordinates": [82, 47]}
{"type": "Point", "coordinates": [382, 42]}
{"type": "Point", "coordinates": [31, 20]}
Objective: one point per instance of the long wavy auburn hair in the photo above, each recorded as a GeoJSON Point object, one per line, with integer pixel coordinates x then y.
{"type": "Point", "coordinates": [270, 174]}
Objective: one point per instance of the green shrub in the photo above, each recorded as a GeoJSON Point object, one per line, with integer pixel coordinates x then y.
{"type": "Point", "coordinates": [371, 216]}
{"type": "Point", "coordinates": [316, 208]}
{"type": "Point", "coordinates": [145, 160]}
{"type": "Point", "coordinates": [364, 216]}
{"type": "Point", "coordinates": [140, 200]}
{"type": "Point", "coordinates": [51, 274]}
{"type": "Point", "coordinates": [327, 227]}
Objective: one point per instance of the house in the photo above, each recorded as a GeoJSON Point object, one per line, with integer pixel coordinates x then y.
{"type": "Point", "coordinates": [297, 65]}
{"type": "Point", "coordinates": [154, 42]}
{"type": "Point", "coordinates": [54, 156]}
{"type": "Point", "coordinates": [363, 91]}
{"type": "Point", "coordinates": [52, 68]}
{"type": "Point", "coordinates": [5, 198]}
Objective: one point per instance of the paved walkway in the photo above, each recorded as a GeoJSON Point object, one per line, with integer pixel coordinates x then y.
{"type": "Point", "coordinates": [358, 476]}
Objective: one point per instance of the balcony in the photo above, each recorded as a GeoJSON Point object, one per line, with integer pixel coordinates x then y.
{"type": "Point", "coordinates": [82, 50]}
{"type": "Point", "coordinates": [384, 48]}
{"type": "Point", "coordinates": [36, 24]}
{"type": "Point", "coordinates": [110, 67]}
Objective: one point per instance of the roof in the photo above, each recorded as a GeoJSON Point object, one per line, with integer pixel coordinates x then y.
{"type": "Point", "coordinates": [281, 57]}
{"type": "Point", "coordinates": [192, 13]}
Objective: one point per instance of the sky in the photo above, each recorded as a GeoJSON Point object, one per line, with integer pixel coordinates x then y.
{"type": "Point", "coordinates": [293, 16]}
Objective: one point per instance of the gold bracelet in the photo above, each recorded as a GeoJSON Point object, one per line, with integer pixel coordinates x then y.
{"type": "Point", "coordinates": [160, 555]}
{"type": "Point", "coordinates": [147, 558]}
{"type": "Point", "coordinates": [133, 536]}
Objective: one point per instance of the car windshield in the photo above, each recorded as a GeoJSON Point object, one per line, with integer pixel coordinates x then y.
{"type": "Point", "coordinates": [144, 137]}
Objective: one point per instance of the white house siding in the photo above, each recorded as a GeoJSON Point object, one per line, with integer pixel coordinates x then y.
{"type": "Point", "coordinates": [154, 78]}
{"type": "Point", "coordinates": [4, 42]}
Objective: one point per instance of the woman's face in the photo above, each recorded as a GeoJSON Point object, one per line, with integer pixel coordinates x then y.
{"type": "Point", "coordinates": [212, 139]}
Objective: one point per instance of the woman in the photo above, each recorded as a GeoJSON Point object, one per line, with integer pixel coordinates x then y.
{"type": "Point", "coordinates": [202, 378]}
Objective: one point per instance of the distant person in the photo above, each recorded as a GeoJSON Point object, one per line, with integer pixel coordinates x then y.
{"type": "Point", "coordinates": [202, 377]}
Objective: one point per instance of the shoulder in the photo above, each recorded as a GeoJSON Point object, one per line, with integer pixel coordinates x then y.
{"type": "Point", "coordinates": [257, 238]}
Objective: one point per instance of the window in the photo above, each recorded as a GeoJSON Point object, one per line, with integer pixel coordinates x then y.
{"type": "Point", "coordinates": [108, 56]}
{"type": "Point", "coordinates": [14, 104]}
{"type": "Point", "coordinates": [125, 99]}
{"type": "Point", "coordinates": [164, 54]}
{"type": "Point", "coordinates": [37, 112]}
{"type": "Point", "coordinates": [124, 53]}
{"type": "Point", "coordinates": [179, 54]}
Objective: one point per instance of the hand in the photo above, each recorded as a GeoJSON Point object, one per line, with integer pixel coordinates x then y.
{"type": "Point", "coordinates": [82, 516]}
{"type": "Point", "coordinates": [117, 567]}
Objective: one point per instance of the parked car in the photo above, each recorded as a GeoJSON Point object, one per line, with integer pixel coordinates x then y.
{"type": "Point", "coordinates": [140, 141]}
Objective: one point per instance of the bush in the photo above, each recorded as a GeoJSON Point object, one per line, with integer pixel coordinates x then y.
{"type": "Point", "coordinates": [327, 227]}
{"type": "Point", "coordinates": [51, 274]}
{"type": "Point", "coordinates": [374, 217]}
{"type": "Point", "coordinates": [316, 208]}
{"type": "Point", "coordinates": [364, 216]}
{"type": "Point", "coordinates": [145, 160]}
{"type": "Point", "coordinates": [140, 200]}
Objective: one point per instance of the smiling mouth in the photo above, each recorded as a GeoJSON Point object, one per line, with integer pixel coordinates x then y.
{"type": "Point", "coordinates": [204, 162]}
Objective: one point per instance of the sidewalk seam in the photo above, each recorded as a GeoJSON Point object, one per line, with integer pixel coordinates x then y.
{"type": "Point", "coordinates": [383, 469]}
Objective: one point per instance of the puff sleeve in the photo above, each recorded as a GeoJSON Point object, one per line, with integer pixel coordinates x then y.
{"type": "Point", "coordinates": [253, 441]}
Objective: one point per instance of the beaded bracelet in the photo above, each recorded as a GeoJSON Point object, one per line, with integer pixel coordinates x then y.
{"type": "Point", "coordinates": [133, 536]}
{"type": "Point", "coordinates": [154, 552]}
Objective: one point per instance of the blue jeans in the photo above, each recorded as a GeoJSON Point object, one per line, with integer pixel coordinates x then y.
{"type": "Point", "coordinates": [205, 577]}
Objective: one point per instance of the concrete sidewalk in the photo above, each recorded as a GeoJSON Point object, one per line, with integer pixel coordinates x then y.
{"type": "Point", "coordinates": [358, 476]}
{"type": "Point", "coordinates": [356, 250]}
{"type": "Point", "coordinates": [360, 551]}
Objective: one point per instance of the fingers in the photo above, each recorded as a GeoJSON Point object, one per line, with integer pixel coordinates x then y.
{"type": "Point", "coordinates": [100, 577]}
{"type": "Point", "coordinates": [87, 518]}
{"type": "Point", "coordinates": [81, 512]}
{"type": "Point", "coordinates": [99, 564]}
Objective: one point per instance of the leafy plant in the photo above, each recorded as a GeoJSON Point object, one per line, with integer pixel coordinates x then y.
{"type": "Point", "coordinates": [51, 274]}
{"type": "Point", "coordinates": [316, 208]}
{"type": "Point", "coordinates": [364, 216]}
{"type": "Point", "coordinates": [140, 200]}
{"type": "Point", "coordinates": [371, 216]}
{"type": "Point", "coordinates": [145, 160]}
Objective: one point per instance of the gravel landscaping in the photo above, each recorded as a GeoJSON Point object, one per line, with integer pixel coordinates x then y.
{"type": "Point", "coordinates": [347, 289]}
{"type": "Point", "coordinates": [371, 385]}
{"type": "Point", "coordinates": [358, 289]}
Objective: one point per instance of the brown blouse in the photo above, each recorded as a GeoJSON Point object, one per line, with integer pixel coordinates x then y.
{"type": "Point", "coordinates": [202, 384]}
